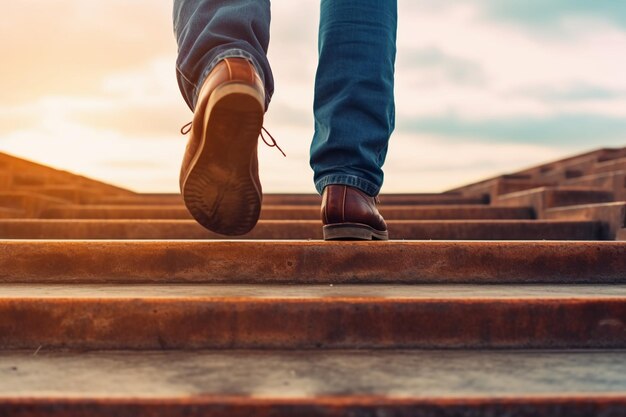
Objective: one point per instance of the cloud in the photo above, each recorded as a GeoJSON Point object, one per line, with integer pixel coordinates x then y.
{"type": "Point", "coordinates": [91, 87]}
{"type": "Point", "coordinates": [431, 163]}
{"type": "Point", "coordinates": [512, 62]}
{"type": "Point", "coordinates": [144, 101]}
{"type": "Point", "coordinates": [574, 93]}
{"type": "Point", "coordinates": [68, 46]}
{"type": "Point", "coordinates": [449, 68]}
{"type": "Point", "coordinates": [548, 14]}
{"type": "Point", "coordinates": [559, 130]}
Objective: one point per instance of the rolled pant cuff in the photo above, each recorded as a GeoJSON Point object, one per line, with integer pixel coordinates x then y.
{"type": "Point", "coordinates": [229, 53]}
{"type": "Point", "coordinates": [366, 186]}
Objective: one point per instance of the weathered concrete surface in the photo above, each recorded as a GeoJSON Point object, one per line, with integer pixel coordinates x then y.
{"type": "Point", "coordinates": [10, 213]}
{"type": "Point", "coordinates": [313, 383]}
{"type": "Point", "coordinates": [612, 216]}
{"type": "Point", "coordinates": [541, 199]}
{"type": "Point", "coordinates": [73, 193]}
{"type": "Point", "coordinates": [5, 179]}
{"type": "Point", "coordinates": [582, 162]}
{"type": "Point", "coordinates": [583, 405]}
{"type": "Point", "coordinates": [449, 212]}
{"type": "Point", "coordinates": [300, 229]}
{"type": "Point", "coordinates": [311, 262]}
{"type": "Point", "coordinates": [310, 199]}
{"type": "Point", "coordinates": [505, 184]}
{"type": "Point", "coordinates": [28, 173]}
{"type": "Point", "coordinates": [290, 317]}
{"type": "Point", "coordinates": [610, 166]}
{"type": "Point", "coordinates": [614, 181]}
{"type": "Point", "coordinates": [31, 204]}
{"type": "Point", "coordinates": [293, 212]}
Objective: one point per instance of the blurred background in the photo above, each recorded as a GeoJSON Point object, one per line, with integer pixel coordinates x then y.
{"type": "Point", "coordinates": [483, 87]}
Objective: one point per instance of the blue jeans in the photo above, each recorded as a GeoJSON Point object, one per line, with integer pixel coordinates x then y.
{"type": "Point", "coordinates": [354, 102]}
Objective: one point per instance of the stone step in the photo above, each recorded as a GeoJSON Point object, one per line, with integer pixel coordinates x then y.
{"type": "Point", "coordinates": [610, 166]}
{"type": "Point", "coordinates": [617, 153]}
{"type": "Point", "coordinates": [541, 199]}
{"type": "Point", "coordinates": [545, 172]}
{"type": "Point", "coordinates": [21, 178]}
{"type": "Point", "coordinates": [32, 205]}
{"type": "Point", "coordinates": [295, 212]}
{"type": "Point", "coordinates": [6, 179]}
{"type": "Point", "coordinates": [558, 176]}
{"type": "Point", "coordinates": [306, 199]}
{"type": "Point", "coordinates": [614, 181]}
{"type": "Point", "coordinates": [503, 185]}
{"type": "Point", "coordinates": [558, 169]}
{"type": "Point", "coordinates": [318, 316]}
{"type": "Point", "coordinates": [10, 213]}
{"type": "Point", "coordinates": [50, 261]}
{"type": "Point", "coordinates": [612, 216]}
{"type": "Point", "coordinates": [72, 193]}
{"type": "Point", "coordinates": [29, 173]}
{"type": "Point", "coordinates": [300, 229]}
{"type": "Point", "coordinates": [141, 199]}
{"type": "Point", "coordinates": [434, 383]}
{"type": "Point", "coordinates": [580, 161]}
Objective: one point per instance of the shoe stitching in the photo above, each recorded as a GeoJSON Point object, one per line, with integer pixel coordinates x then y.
{"type": "Point", "coordinates": [230, 72]}
{"type": "Point", "coordinates": [343, 204]}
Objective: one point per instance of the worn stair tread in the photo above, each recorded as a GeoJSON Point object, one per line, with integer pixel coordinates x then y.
{"type": "Point", "coordinates": [298, 229]}
{"type": "Point", "coordinates": [611, 215]}
{"type": "Point", "coordinates": [250, 261]}
{"type": "Point", "coordinates": [288, 212]}
{"type": "Point", "coordinates": [310, 376]}
{"type": "Point", "coordinates": [10, 213]}
{"type": "Point", "coordinates": [585, 160]}
{"type": "Point", "coordinates": [502, 185]}
{"type": "Point", "coordinates": [309, 199]}
{"type": "Point", "coordinates": [541, 199]}
{"type": "Point", "coordinates": [346, 292]}
{"type": "Point", "coordinates": [322, 316]}
{"type": "Point", "coordinates": [588, 211]}
{"type": "Point", "coordinates": [611, 165]}
{"type": "Point", "coordinates": [74, 193]}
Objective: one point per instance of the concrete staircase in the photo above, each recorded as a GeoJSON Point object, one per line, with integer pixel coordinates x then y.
{"type": "Point", "coordinates": [505, 297]}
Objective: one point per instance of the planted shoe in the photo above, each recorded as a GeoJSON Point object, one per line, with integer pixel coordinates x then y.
{"type": "Point", "coordinates": [350, 214]}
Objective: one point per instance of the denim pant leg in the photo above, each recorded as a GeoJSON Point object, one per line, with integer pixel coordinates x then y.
{"type": "Point", "coordinates": [354, 101]}
{"type": "Point", "coordinates": [208, 31]}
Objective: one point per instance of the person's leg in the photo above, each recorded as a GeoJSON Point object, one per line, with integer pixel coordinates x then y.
{"type": "Point", "coordinates": [207, 31]}
{"type": "Point", "coordinates": [354, 100]}
{"type": "Point", "coordinates": [226, 80]}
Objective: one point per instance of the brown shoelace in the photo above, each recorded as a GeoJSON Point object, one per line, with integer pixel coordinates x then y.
{"type": "Point", "coordinates": [186, 128]}
{"type": "Point", "coordinates": [272, 143]}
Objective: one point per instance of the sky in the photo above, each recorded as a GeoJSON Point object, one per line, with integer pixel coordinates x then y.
{"type": "Point", "coordinates": [483, 87]}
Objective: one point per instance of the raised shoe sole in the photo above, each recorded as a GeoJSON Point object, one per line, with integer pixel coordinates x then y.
{"type": "Point", "coordinates": [221, 189]}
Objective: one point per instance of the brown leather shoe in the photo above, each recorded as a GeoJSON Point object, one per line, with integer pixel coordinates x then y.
{"type": "Point", "coordinates": [219, 177]}
{"type": "Point", "coordinates": [350, 214]}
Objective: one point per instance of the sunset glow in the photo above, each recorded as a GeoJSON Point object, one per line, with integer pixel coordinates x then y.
{"type": "Point", "coordinates": [483, 87]}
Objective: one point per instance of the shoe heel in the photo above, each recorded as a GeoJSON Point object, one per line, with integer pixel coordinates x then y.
{"type": "Point", "coordinates": [353, 231]}
{"type": "Point", "coordinates": [221, 189]}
